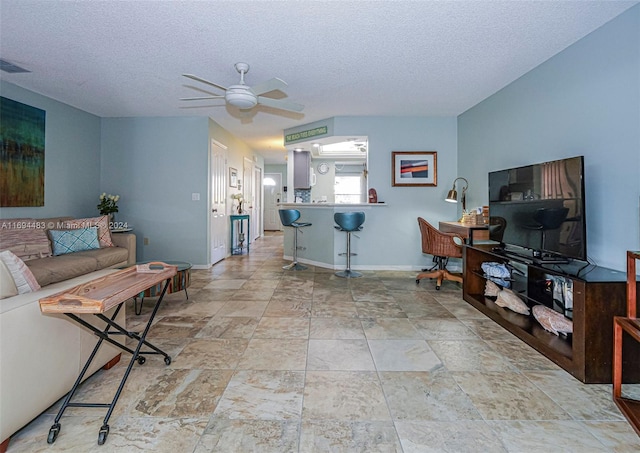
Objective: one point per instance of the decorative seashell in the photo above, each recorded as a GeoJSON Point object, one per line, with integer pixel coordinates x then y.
{"type": "Point", "coordinates": [551, 320]}
{"type": "Point", "coordinates": [491, 289]}
{"type": "Point", "coordinates": [508, 299]}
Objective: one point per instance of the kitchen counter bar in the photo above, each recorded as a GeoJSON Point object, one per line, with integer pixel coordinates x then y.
{"type": "Point", "coordinates": [349, 207]}
{"type": "Point", "coordinates": [323, 242]}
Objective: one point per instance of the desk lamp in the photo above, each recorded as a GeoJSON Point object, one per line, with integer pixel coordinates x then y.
{"type": "Point", "coordinates": [452, 196]}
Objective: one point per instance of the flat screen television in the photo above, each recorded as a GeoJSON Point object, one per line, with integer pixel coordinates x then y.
{"type": "Point", "coordinates": [540, 208]}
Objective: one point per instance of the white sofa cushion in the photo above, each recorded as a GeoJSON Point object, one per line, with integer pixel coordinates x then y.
{"type": "Point", "coordinates": [42, 355]}
{"type": "Point", "coordinates": [7, 285]}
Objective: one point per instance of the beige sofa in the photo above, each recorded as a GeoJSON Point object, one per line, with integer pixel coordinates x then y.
{"type": "Point", "coordinates": [42, 355]}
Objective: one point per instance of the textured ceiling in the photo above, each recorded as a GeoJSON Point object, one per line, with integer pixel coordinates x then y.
{"type": "Point", "coordinates": [364, 58]}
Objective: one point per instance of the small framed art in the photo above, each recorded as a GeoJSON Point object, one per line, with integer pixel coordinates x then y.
{"type": "Point", "coordinates": [414, 168]}
{"type": "Point", "coordinates": [233, 177]}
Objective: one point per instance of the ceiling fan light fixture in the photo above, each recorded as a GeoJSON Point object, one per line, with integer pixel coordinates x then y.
{"type": "Point", "coordinates": [244, 97]}
{"type": "Point", "coordinates": [241, 96]}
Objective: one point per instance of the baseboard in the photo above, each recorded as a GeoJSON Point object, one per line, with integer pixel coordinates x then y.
{"type": "Point", "coordinates": [365, 267]}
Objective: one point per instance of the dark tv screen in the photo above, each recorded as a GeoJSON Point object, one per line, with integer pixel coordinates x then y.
{"type": "Point", "coordinates": [540, 207]}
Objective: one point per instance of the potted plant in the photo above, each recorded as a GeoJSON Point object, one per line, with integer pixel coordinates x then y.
{"type": "Point", "coordinates": [108, 205]}
{"type": "Point", "coordinates": [239, 199]}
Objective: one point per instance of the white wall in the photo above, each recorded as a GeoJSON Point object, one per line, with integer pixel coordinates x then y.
{"type": "Point", "coordinates": [71, 158]}
{"type": "Point", "coordinates": [325, 184]}
{"type": "Point", "coordinates": [584, 101]}
{"type": "Point", "coordinates": [237, 151]}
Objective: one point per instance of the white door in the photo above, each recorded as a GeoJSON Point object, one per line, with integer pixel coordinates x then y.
{"type": "Point", "coordinates": [248, 193]}
{"type": "Point", "coordinates": [272, 187]}
{"type": "Point", "coordinates": [257, 205]}
{"type": "Point", "coordinates": [218, 218]}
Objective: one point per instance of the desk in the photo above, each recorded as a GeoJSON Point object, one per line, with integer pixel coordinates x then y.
{"type": "Point", "coordinates": [97, 297]}
{"type": "Point", "coordinates": [242, 240]}
{"type": "Point", "coordinates": [468, 231]}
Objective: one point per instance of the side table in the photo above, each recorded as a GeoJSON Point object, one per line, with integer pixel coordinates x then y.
{"type": "Point", "coordinates": [240, 241]}
{"type": "Point", "coordinates": [630, 324]}
{"type": "Point", "coordinates": [96, 297]}
{"type": "Point", "coordinates": [179, 282]}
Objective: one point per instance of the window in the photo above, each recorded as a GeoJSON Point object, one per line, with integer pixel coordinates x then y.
{"type": "Point", "coordinates": [348, 189]}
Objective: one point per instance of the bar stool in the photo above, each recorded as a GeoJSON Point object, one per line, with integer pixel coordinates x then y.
{"type": "Point", "coordinates": [288, 218]}
{"type": "Point", "coordinates": [349, 222]}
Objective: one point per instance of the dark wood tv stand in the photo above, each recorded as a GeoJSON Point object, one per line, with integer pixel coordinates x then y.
{"type": "Point", "coordinates": [598, 296]}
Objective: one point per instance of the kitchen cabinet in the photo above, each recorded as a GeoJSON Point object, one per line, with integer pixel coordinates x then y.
{"type": "Point", "coordinates": [302, 170]}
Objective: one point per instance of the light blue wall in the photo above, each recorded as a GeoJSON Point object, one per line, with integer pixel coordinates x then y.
{"type": "Point", "coordinates": [72, 158]}
{"type": "Point", "coordinates": [584, 101]}
{"type": "Point", "coordinates": [155, 164]}
{"type": "Point", "coordinates": [401, 247]}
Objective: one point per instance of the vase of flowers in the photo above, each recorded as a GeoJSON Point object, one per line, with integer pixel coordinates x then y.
{"type": "Point", "coordinates": [239, 200]}
{"type": "Point", "coordinates": [108, 205]}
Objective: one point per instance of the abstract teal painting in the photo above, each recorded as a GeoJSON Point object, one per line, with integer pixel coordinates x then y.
{"type": "Point", "coordinates": [21, 154]}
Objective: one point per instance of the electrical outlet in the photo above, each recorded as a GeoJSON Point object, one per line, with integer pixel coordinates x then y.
{"type": "Point", "coordinates": [195, 196]}
{"type": "Point", "coordinates": [145, 241]}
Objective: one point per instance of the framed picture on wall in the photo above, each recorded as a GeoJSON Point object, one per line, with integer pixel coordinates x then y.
{"type": "Point", "coordinates": [414, 168]}
{"type": "Point", "coordinates": [233, 177]}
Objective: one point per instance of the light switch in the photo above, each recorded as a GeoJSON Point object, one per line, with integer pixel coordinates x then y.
{"type": "Point", "coordinates": [195, 196]}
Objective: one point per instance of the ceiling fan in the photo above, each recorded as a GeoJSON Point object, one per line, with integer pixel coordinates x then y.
{"type": "Point", "coordinates": [245, 97]}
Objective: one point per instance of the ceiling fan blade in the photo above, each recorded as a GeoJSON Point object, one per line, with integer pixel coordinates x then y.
{"type": "Point", "coordinates": [269, 85]}
{"type": "Point", "coordinates": [280, 104]}
{"type": "Point", "coordinates": [199, 79]}
{"type": "Point", "coordinates": [202, 98]}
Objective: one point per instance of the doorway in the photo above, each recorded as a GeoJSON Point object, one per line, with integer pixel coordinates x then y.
{"type": "Point", "coordinates": [272, 187]}
{"type": "Point", "coordinates": [249, 193]}
{"type": "Point", "coordinates": [217, 209]}
{"type": "Point", "coordinates": [257, 226]}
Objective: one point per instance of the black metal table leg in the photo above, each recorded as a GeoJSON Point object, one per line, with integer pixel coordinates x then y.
{"type": "Point", "coordinates": [138, 308]}
{"type": "Point", "coordinates": [136, 355]}
{"type": "Point", "coordinates": [103, 335]}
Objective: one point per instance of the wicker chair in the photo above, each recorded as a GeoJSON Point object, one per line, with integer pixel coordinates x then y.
{"type": "Point", "coordinates": [442, 247]}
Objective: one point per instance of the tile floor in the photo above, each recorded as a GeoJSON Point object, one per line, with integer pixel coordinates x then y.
{"type": "Point", "coordinates": [266, 360]}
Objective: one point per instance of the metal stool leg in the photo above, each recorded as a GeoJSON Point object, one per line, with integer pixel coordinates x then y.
{"type": "Point", "coordinates": [295, 266]}
{"type": "Point", "coordinates": [348, 273]}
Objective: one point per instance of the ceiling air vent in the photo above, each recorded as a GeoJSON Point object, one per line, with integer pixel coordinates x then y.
{"type": "Point", "coordinates": [7, 66]}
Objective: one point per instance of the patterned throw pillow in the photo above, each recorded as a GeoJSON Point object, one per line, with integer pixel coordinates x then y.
{"type": "Point", "coordinates": [22, 275]}
{"type": "Point", "coordinates": [104, 234]}
{"type": "Point", "coordinates": [69, 241]}
{"type": "Point", "coordinates": [26, 238]}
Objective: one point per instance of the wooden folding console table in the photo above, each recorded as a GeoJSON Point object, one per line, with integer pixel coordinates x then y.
{"type": "Point", "coordinates": [97, 297]}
